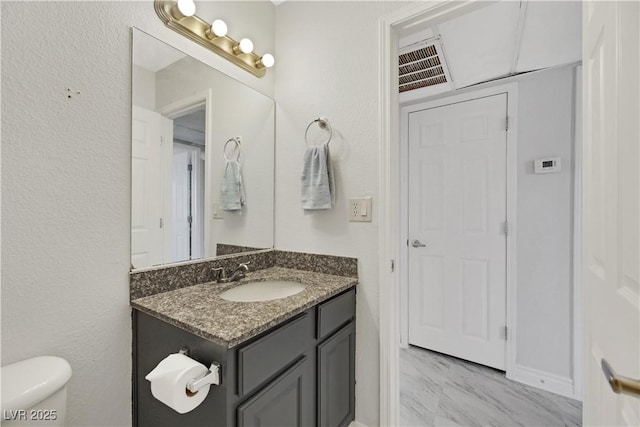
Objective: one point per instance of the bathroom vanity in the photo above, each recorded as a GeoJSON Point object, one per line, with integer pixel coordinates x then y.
{"type": "Point", "coordinates": [284, 362]}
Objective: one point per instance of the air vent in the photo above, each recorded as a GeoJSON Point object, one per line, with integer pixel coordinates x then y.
{"type": "Point", "coordinates": [421, 65]}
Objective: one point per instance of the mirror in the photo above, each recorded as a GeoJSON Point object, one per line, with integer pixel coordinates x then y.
{"type": "Point", "coordinates": [202, 159]}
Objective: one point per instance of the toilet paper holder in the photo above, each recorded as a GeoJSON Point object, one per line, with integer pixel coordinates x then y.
{"type": "Point", "coordinates": [211, 378]}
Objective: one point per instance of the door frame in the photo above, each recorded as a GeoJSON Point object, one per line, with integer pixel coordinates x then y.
{"type": "Point", "coordinates": [511, 90]}
{"type": "Point", "coordinates": [180, 108]}
{"type": "Point", "coordinates": [577, 318]}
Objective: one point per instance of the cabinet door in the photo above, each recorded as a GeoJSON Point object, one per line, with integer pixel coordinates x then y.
{"type": "Point", "coordinates": [336, 379]}
{"type": "Point", "coordinates": [154, 340]}
{"type": "Point", "coordinates": [285, 402]}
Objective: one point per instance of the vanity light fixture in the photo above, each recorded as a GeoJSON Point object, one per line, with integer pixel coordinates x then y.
{"type": "Point", "coordinates": [245, 46]}
{"type": "Point", "coordinates": [267, 60]}
{"type": "Point", "coordinates": [180, 16]}
{"type": "Point", "coordinates": [186, 8]}
{"type": "Point", "coordinates": [218, 29]}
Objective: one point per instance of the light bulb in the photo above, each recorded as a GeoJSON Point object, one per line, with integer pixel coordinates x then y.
{"type": "Point", "coordinates": [219, 28]}
{"type": "Point", "coordinates": [246, 46]}
{"type": "Point", "coordinates": [187, 7]}
{"type": "Point", "coordinates": [267, 60]}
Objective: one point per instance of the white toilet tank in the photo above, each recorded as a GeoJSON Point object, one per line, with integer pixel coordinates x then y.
{"type": "Point", "coordinates": [34, 392]}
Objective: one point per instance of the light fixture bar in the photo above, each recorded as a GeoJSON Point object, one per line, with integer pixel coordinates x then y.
{"type": "Point", "coordinates": [196, 29]}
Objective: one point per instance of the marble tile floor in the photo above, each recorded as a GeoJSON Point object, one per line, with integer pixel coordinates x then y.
{"type": "Point", "coordinates": [440, 390]}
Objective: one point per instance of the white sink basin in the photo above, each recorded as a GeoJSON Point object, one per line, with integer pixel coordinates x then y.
{"type": "Point", "coordinates": [263, 291]}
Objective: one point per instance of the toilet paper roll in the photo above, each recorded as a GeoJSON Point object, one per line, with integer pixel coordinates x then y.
{"type": "Point", "coordinates": [169, 382]}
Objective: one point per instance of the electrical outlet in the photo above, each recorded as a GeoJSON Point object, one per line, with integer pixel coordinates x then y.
{"type": "Point", "coordinates": [360, 209]}
{"type": "Point", "coordinates": [355, 208]}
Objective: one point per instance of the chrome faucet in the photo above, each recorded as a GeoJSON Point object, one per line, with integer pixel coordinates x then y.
{"type": "Point", "coordinates": [239, 272]}
{"type": "Point", "coordinates": [236, 274]}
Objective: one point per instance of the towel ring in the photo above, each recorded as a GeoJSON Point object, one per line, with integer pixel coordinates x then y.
{"type": "Point", "coordinates": [237, 149]}
{"type": "Point", "coordinates": [323, 123]}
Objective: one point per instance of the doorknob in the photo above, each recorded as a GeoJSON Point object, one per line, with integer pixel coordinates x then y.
{"type": "Point", "coordinates": [416, 244]}
{"type": "Point", "coordinates": [618, 383]}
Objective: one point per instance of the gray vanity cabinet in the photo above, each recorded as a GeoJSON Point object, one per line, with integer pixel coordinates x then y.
{"type": "Point", "coordinates": [300, 373]}
{"type": "Point", "coordinates": [286, 401]}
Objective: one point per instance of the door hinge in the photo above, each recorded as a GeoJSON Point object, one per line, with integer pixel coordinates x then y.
{"type": "Point", "coordinates": [407, 242]}
{"type": "Point", "coordinates": [189, 219]}
{"type": "Point", "coordinates": [161, 222]}
{"type": "Point", "coordinates": [505, 228]}
{"type": "Point", "coordinates": [393, 266]}
{"type": "Point", "coordinates": [161, 140]}
{"type": "Point", "coordinates": [506, 123]}
{"type": "Point", "coordinates": [189, 167]}
{"type": "Point", "coordinates": [504, 332]}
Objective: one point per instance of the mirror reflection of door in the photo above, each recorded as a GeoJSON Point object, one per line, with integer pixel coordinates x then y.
{"type": "Point", "coordinates": [146, 197]}
{"type": "Point", "coordinates": [168, 214]}
{"type": "Point", "coordinates": [188, 186]}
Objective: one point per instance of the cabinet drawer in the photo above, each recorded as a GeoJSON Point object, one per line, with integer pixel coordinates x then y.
{"type": "Point", "coordinates": [336, 312]}
{"type": "Point", "coordinates": [266, 357]}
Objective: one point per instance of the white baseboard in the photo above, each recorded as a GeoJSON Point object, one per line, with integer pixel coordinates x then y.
{"type": "Point", "coordinates": [544, 380]}
{"type": "Point", "coordinates": [356, 424]}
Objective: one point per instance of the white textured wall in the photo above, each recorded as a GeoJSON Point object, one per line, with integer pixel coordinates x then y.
{"type": "Point", "coordinates": [66, 185]}
{"type": "Point", "coordinates": [545, 222]}
{"type": "Point", "coordinates": [328, 65]}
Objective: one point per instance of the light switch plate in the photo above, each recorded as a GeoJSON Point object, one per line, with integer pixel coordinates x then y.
{"type": "Point", "coordinates": [360, 209]}
{"type": "Point", "coordinates": [216, 212]}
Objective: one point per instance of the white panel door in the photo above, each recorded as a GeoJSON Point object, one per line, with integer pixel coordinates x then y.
{"type": "Point", "coordinates": [146, 189]}
{"type": "Point", "coordinates": [457, 209]}
{"type": "Point", "coordinates": [611, 51]}
{"type": "Point", "coordinates": [188, 203]}
{"type": "Point", "coordinates": [182, 207]}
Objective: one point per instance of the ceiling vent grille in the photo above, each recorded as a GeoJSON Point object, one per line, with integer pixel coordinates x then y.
{"type": "Point", "coordinates": [422, 65]}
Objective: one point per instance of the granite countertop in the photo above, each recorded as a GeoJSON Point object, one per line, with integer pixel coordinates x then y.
{"type": "Point", "coordinates": [200, 310]}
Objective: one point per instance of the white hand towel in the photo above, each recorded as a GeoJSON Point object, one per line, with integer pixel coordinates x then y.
{"type": "Point", "coordinates": [318, 186]}
{"type": "Point", "coordinates": [232, 196]}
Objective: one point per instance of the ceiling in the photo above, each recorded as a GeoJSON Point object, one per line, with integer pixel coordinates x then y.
{"type": "Point", "coordinates": [506, 38]}
{"type": "Point", "coordinates": [190, 127]}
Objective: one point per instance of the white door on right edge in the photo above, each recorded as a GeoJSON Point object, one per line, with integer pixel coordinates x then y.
{"type": "Point", "coordinates": [611, 206]}
{"type": "Point", "coordinates": [457, 246]}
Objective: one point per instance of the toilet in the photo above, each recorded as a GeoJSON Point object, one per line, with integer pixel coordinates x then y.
{"type": "Point", "coordinates": [34, 392]}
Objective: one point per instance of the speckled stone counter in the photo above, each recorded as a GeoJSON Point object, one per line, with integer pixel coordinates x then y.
{"type": "Point", "coordinates": [200, 310]}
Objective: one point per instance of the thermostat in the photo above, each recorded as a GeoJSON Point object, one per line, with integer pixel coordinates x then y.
{"type": "Point", "coordinates": [548, 165]}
